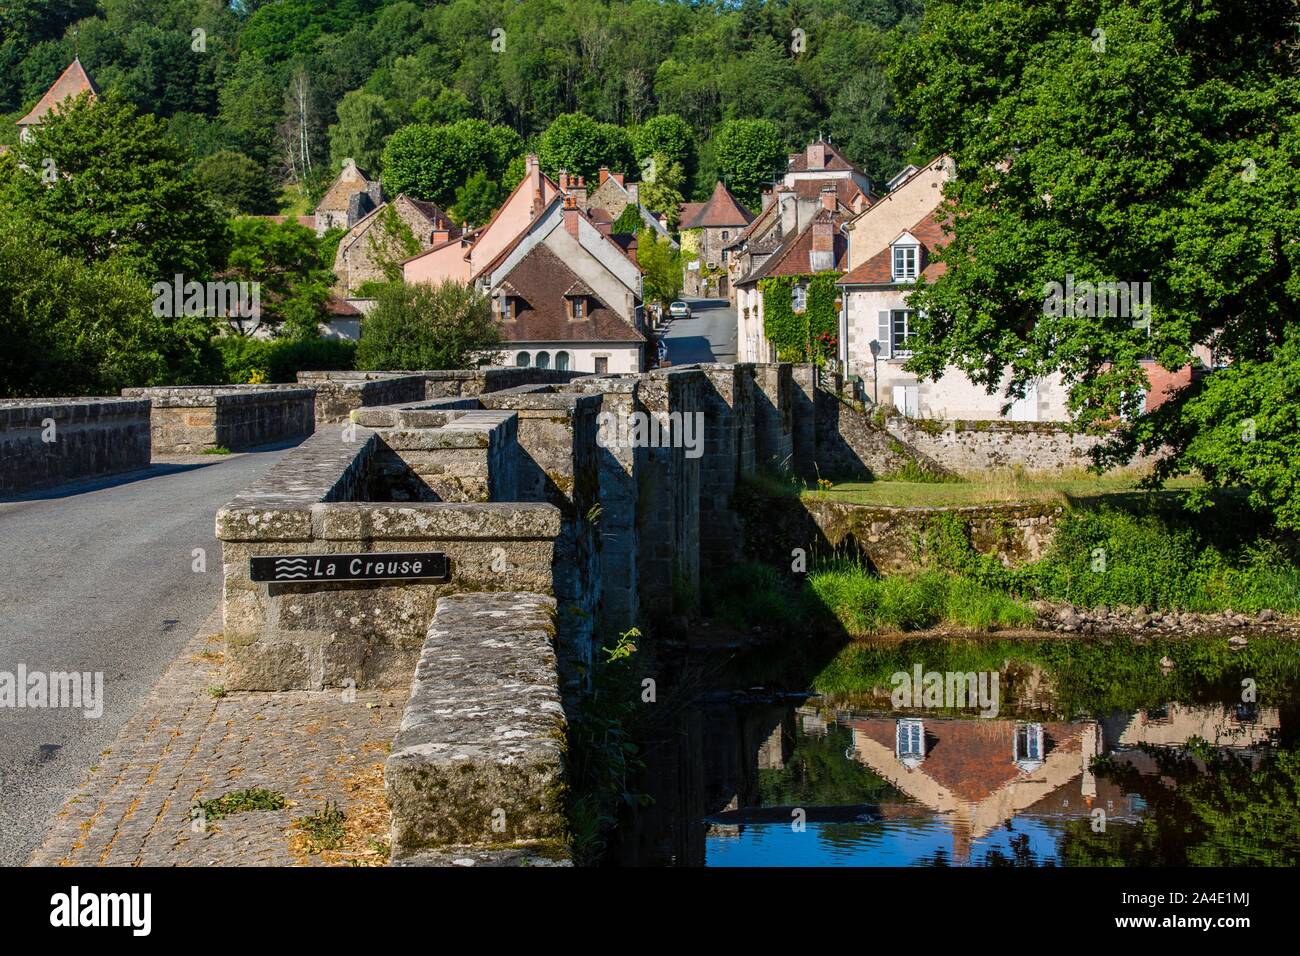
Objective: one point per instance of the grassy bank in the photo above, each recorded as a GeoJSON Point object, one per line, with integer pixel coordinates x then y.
{"type": "Point", "coordinates": [1066, 489]}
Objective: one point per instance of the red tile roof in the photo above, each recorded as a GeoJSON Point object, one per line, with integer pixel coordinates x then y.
{"type": "Point", "coordinates": [721, 210]}
{"type": "Point", "coordinates": [72, 82]}
{"type": "Point", "coordinates": [792, 256]}
{"type": "Point", "coordinates": [879, 269]}
{"type": "Point", "coordinates": [835, 160]}
{"type": "Point", "coordinates": [541, 281]}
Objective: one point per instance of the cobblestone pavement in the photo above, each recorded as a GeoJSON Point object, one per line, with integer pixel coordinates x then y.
{"type": "Point", "coordinates": [189, 744]}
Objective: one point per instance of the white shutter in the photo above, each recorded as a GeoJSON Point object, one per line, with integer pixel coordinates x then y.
{"type": "Point", "coordinates": [884, 334]}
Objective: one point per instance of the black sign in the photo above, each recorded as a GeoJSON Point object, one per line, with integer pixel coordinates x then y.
{"type": "Point", "coordinates": [388, 566]}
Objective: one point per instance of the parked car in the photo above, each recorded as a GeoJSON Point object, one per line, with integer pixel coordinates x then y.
{"type": "Point", "coordinates": [679, 310]}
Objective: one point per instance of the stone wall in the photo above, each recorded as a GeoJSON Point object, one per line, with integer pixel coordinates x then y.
{"type": "Point", "coordinates": [476, 769]}
{"type": "Point", "coordinates": [473, 456]}
{"type": "Point", "coordinates": [338, 393]}
{"type": "Point", "coordinates": [728, 406]}
{"type": "Point", "coordinates": [478, 381]}
{"type": "Point", "coordinates": [195, 419]}
{"type": "Point", "coordinates": [774, 417]}
{"type": "Point", "coordinates": [851, 444]}
{"type": "Point", "coordinates": [88, 437]}
{"type": "Point", "coordinates": [981, 447]}
{"type": "Point", "coordinates": [282, 636]}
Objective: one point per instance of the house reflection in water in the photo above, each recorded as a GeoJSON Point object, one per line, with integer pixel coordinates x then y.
{"type": "Point", "coordinates": [979, 774]}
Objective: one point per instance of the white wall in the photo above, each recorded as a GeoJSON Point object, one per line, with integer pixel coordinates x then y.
{"type": "Point", "coordinates": [622, 357]}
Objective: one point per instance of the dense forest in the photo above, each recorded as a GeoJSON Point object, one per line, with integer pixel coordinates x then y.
{"type": "Point", "coordinates": [292, 87]}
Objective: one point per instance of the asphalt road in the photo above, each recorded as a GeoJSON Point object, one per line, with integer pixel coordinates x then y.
{"type": "Point", "coordinates": [99, 576]}
{"type": "Point", "coordinates": [709, 335]}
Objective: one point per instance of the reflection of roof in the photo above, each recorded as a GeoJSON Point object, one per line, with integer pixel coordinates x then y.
{"type": "Point", "coordinates": [722, 209]}
{"type": "Point", "coordinates": [879, 269]}
{"type": "Point", "coordinates": [72, 82]}
{"type": "Point", "coordinates": [540, 282]}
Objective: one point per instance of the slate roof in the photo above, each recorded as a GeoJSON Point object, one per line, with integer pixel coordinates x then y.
{"type": "Point", "coordinates": [792, 255]}
{"type": "Point", "coordinates": [72, 82]}
{"type": "Point", "coordinates": [343, 189]}
{"type": "Point", "coordinates": [541, 281]}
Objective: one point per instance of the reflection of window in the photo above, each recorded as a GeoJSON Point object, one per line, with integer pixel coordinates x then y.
{"type": "Point", "coordinates": [522, 360]}
{"type": "Point", "coordinates": [909, 742]}
{"type": "Point", "coordinates": [1027, 752]}
{"type": "Point", "coordinates": [562, 361]}
{"type": "Point", "coordinates": [904, 263]}
{"type": "Point", "coordinates": [798, 298]}
{"type": "Point", "coordinates": [543, 360]}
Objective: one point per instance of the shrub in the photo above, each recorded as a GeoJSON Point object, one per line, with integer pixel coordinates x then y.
{"type": "Point", "coordinates": [427, 327]}
{"type": "Point", "coordinates": [246, 360]}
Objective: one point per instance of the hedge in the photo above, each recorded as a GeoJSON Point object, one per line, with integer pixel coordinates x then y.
{"type": "Point", "coordinates": [280, 360]}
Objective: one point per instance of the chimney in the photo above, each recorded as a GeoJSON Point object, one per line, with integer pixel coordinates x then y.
{"type": "Point", "coordinates": [822, 256]}
{"type": "Point", "coordinates": [440, 231]}
{"type": "Point", "coordinates": [571, 216]}
{"type": "Point", "coordinates": [618, 178]}
{"type": "Point", "coordinates": [829, 197]}
{"type": "Point", "coordinates": [769, 197]}
{"type": "Point", "coordinates": [530, 164]}
{"type": "Point", "coordinates": [817, 155]}
{"type": "Point", "coordinates": [578, 187]}
{"type": "Point", "coordinates": [564, 180]}
{"type": "Point", "coordinates": [633, 192]}
{"type": "Point", "coordinates": [604, 174]}
{"type": "Point", "coordinates": [789, 211]}
{"type": "Point", "coordinates": [533, 173]}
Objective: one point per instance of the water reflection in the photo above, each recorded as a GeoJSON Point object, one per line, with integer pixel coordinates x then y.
{"type": "Point", "coordinates": [805, 785]}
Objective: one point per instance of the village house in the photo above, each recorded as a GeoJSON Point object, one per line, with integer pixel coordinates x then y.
{"type": "Point", "coordinates": [788, 249]}
{"type": "Point", "coordinates": [706, 230]}
{"type": "Point", "coordinates": [565, 292]}
{"type": "Point", "coordinates": [72, 82]}
{"type": "Point", "coordinates": [614, 194]}
{"type": "Point", "coordinates": [792, 201]}
{"type": "Point", "coordinates": [378, 240]}
{"type": "Point", "coordinates": [351, 197]}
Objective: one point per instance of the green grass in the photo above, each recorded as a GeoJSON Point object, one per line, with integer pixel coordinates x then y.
{"type": "Point", "coordinates": [217, 450]}
{"type": "Point", "coordinates": [999, 489]}
{"type": "Point", "coordinates": [864, 604]}
{"type": "Point", "coordinates": [324, 829]}
{"type": "Point", "coordinates": [241, 801]}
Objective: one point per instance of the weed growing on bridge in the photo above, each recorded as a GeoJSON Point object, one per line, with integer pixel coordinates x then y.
{"type": "Point", "coordinates": [324, 829]}
{"type": "Point", "coordinates": [241, 801]}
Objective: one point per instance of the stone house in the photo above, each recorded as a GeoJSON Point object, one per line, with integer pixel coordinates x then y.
{"type": "Point", "coordinates": [791, 247]}
{"type": "Point", "coordinates": [351, 197]}
{"type": "Point", "coordinates": [362, 251]}
{"type": "Point", "coordinates": [72, 82]}
{"type": "Point", "coordinates": [566, 293]}
{"type": "Point", "coordinates": [706, 230]}
{"type": "Point", "coordinates": [613, 195]}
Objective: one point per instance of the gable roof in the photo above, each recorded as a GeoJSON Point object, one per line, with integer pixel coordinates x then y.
{"type": "Point", "coordinates": [347, 184]}
{"type": "Point", "coordinates": [541, 280]}
{"type": "Point", "coordinates": [722, 209]}
{"type": "Point", "coordinates": [427, 210]}
{"type": "Point", "coordinates": [792, 255]}
{"type": "Point", "coordinates": [879, 269]}
{"type": "Point", "coordinates": [834, 160]}
{"type": "Point", "coordinates": [72, 82]}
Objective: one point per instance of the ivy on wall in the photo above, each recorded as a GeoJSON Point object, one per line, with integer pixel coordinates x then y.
{"type": "Point", "coordinates": [809, 335]}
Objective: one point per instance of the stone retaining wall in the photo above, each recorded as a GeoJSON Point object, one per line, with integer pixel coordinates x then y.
{"type": "Point", "coordinates": [195, 419]}
{"type": "Point", "coordinates": [851, 444]}
{"type": "Point", "coordinates": [478, 759]}
{"type": "Point", "coordinates": [338, 393]}
{"type": "Point", "coordinates": [48, 441]}
{"type": "Point", "coordinates": [980, 447]}
{"type": "Point", "coordinates": [448, 383]}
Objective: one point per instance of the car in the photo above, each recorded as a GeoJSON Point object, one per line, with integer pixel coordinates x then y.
{"type": "Point", "coordinates": [679, 310]}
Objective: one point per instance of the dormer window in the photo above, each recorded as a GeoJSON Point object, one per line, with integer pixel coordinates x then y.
{"type": "Point", "coordinates": [577, 307]}
{"type": "Point", "coordinates": [507, 308]}
{"type": "Point", "coordinates": [906, 257]}
{"type": "Point", "coordinates": [909, 742]}
{"type": "Point", "coordinates": [1027, 750]}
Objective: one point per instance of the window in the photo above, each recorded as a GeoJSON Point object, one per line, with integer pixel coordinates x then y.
{"type": "Point", "coordinates": [909, 743]}
{"type": "Point", "coordinates": [602, 364]}
{"type": "Point", "coordinates": [1027, 752]}
{"type": "Point", "coordinates": [506, 307]}
{"type": "Point", "coordinates": [905, 263]}
{"type": "Point", "coordinates": [724, 234]}
{"type": "Point", "coordinates": [562, 361]}
{"type": "Point", "coordinates": [798, 298]}
{"type": "Point", "coordinates": [578, 307]}
{"type": "Point", "coordinates": [522, 360]}
{"type": "Point", "coordinates": [901, 330]}
{"type": "Point", "coordinates": [543, 360]}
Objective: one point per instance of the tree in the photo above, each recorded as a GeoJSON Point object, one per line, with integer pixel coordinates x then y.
{"type": "Point", "coordinates": [748, 155]}
{"type": "Point", "coordinates": [662, 266]}
{"type": "Point", "coordinates": [662, 190]}
{"type": "Point", "coordinates": [416, 326]}
{"type": "Point", "coordinates": [365, 123]}
{"type": "Point", "coordinates": [432, 162]}
{"type": "Point", "coordinates": [237, 183]}
{"type": "Point", "coordinates": [1107, 142]}
{"type": "Point", "coordinates": [577, 143]}
{"type": "Point", "coordinates": [72, 328]}
{"type": "Point", "coordinates": [287, 260]}
{"type": "Point", "coordinates": [477, 199]}
{"type": "Point", "coordinates": [102, 181]}
{"type": "Point", "coordinates": [666, 139]}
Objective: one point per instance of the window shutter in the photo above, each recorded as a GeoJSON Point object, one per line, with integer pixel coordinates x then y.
{"type": "Point", "coordinates": [884, 334]}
